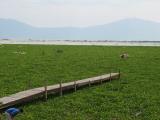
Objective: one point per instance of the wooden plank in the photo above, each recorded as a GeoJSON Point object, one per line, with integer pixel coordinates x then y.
{"type": "Point", "coordinates": [31, 94]}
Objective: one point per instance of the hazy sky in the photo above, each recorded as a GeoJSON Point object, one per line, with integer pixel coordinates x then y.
{"type": "Point", "coordinates": [54, 13]}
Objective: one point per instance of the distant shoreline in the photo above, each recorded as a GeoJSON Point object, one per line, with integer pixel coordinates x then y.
{"type": "Point", "coordinates": [82, 42]}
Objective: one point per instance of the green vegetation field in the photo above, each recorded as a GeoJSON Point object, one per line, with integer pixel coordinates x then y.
{"type": "Point", "coordinates": [136, 97]}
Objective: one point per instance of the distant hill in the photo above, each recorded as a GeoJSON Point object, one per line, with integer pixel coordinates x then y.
{"type": "Point", "coordinates": [127, 29]}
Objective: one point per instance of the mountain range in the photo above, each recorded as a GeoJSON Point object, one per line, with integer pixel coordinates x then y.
{"type": "Point", "coordinates": [126, 29]}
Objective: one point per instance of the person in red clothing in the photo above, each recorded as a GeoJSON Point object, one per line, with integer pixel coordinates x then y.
{"type": "Point", "coordinates": [12, 112]}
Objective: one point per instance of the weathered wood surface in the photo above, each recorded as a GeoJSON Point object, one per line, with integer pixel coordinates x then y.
{"type": "Point", "coordinates": [31, 94]}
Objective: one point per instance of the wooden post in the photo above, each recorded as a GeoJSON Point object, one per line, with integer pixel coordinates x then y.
{"type": "Point", "coordinates": [45, 90]}
{"type": "Point", "coordinates": [119, 80]}
{"type": "Point", "coordinates": [29, 84]}
{"type": "Point", "coordinates": [75, 86]}
{"type": "Point", "coordinates": [110, 78]}
{"type": "Point", "coordinates": [101, 81]}
{"type": "Point", "coordinates": [60, 85]}
{"type": "Point", "coordinates": [89, 83]}
{"type": "Point", "coordinates": [46, 93]}
{"type": "Point", "coordinates": [119, 74]}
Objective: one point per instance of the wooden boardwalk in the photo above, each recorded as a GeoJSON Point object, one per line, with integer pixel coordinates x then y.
{"type": "Point", "coordinates": [32, 94]}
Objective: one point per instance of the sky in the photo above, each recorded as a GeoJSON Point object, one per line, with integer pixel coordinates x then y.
{"type": "Point", "coordinates": [78, 13]}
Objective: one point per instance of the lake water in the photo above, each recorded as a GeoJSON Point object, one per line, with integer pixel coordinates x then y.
{"type": "Point", "coordinates": [76, 42]}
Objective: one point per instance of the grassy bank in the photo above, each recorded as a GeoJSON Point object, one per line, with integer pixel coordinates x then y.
{"type": "Point", "coordinates": [136, 97]}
